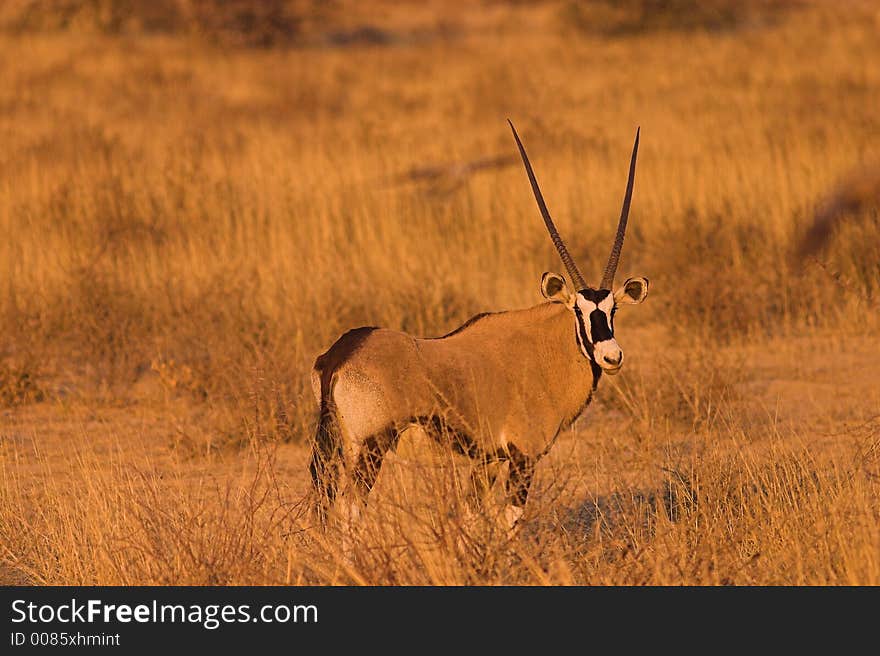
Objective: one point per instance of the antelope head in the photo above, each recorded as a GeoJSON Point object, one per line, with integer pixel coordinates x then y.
{"type": "Point", "coordinates": [592, 308]}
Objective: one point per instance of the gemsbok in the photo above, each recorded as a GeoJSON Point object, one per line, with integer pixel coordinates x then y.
{"type": "Point", "coordinates": [499, 389]}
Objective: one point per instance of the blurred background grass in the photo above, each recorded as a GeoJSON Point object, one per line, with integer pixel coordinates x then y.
{"type": "Point", "coordinates": [211, 192]}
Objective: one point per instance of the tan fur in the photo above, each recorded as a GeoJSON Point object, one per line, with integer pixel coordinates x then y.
{"type": "Point", "coordinates": [513, 377]}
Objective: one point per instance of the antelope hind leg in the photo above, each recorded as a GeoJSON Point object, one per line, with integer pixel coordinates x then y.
{"type": "Point", "coordinates": [519, 480]}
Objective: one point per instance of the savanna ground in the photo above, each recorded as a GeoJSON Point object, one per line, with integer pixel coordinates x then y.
{"type": "Point", "coordinates": [194, 205]}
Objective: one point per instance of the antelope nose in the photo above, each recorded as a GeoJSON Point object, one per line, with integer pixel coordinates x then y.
{"type": "Point", "coordinates": [614, 359]}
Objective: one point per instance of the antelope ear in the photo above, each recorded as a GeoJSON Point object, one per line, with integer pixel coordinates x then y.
{"type": "Point", "coordinates": [632, 292]}
{"type": "Point", "coordinates": [554, 289]}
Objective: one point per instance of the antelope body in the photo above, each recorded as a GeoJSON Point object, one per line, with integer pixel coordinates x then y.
{"type": "Point", "coordinates": [498, 389]}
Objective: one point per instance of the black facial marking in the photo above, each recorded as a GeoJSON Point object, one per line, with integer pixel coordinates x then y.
{"type": "Point", "coordinates": [597, 374]}
{"type": "Point", "coordinates": [599, 326]}
{"type": "Point", "coordinates": [594, 295]}
{"type": "Point", "coordinates": [582, 331]}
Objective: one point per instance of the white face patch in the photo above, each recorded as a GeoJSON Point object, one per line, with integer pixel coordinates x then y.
{"type": "Point", "coordinates": [586, 307]}
{"type": "Point", "coordinates": [606, 352]}
{"type": "Point", "coordinates": [607, 305]}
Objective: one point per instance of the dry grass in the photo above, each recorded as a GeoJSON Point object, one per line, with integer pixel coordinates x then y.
{"type": "Point", "coordinates": [188, 226]}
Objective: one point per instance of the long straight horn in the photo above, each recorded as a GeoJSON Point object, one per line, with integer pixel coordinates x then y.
{"type": "Point", "coordinates": [614, 258]}
{"type": "Point", "coordinates": [576, 278]}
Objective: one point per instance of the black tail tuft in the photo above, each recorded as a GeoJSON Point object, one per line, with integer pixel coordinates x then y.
{"type": "Point", "coordinates": [326, 455]}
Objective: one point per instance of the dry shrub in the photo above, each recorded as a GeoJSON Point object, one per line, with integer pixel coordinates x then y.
{"type": "Point", "coordinates": [735, 280]}
{"type": "Point", "coordinates": [259, 23]}
{"type": "Point", "coordinates": [853, 261]}
{"type": "Point", "coordinates": [228, 533]}
{"type": "Point", "coordinates": [143, 525]}
{"type": "Point", "coordinates": [728, 276]}
{"type": "Point", "coordinates": [19, 383]}
{"type": "Point", "coordinates": [245, 22]}
{"type": "Point", "coordinates": [617, 17]}
{"type": "Point", "coordinates": [735, 521]}
{"type": "Point", "coordinates": [110, 16]}
{"type": "Point", "coordinates": [695, 388]}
